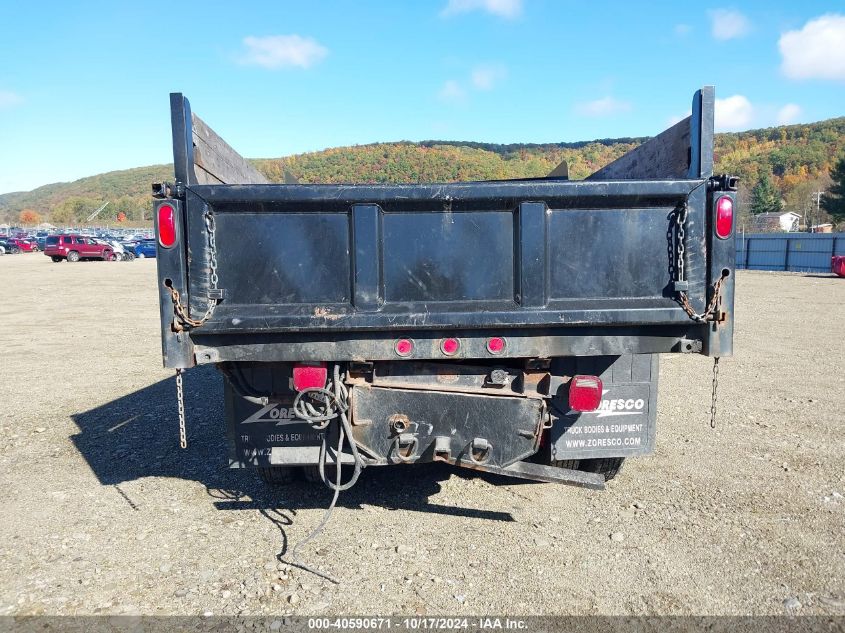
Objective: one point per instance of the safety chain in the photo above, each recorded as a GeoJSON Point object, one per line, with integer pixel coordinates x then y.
{"type": "Point", "coordinates": [680, 222]}
{"type": "Point", "coordinates": [711, 307]}
{"type": "Point", "coordinates": [180, 400]}
{"type": "Point", "coordinates": [214, 294]}
{"type": "Point", "coordinates": [715, 387]}
{"type": "Point", "coordinates": [683, 297]}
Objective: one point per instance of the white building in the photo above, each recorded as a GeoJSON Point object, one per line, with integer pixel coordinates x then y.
{"type": "Point", "coordinates": [769, 222]}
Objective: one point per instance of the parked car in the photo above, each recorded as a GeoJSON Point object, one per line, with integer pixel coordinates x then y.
{"type": "Point", "coordinates": [76, 247]}
{"type": "Point", "coordinates": [145, 248]}
{"type": "Point", "coordinates": [23, 246]}
{"type": "Point", "coordinates": [121, 253]}
{"type": "Point", "coordinates": [41, 241]}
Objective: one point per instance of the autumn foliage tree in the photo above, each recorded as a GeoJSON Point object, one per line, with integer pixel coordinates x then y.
{"type": "Point", "coordinates": [29, 216]}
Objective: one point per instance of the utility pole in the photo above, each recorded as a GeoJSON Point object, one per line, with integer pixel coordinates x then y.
{"type": "Point", "coordinates": [818, 197]}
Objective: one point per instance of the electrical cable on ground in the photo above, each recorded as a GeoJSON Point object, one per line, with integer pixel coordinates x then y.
{"type": "Point", "coordinates": [319, 406]}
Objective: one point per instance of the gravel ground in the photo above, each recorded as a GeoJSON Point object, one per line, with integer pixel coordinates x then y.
{"type": "Point", "coordinates": [102, 513]}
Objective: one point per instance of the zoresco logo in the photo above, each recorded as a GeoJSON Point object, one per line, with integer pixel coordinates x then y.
{"type": "Point", "coordinates": [620, 406]}
{"type": "Point", "coordinates": [276, 412]}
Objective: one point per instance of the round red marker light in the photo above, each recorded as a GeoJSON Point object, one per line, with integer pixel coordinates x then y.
{"type": "Point", "coordinates": [450, 346]}
{"type": "Point", "coordinates": [404, 347]}
{"type": "Point", "coordinates": [724, 217]}
{"type": "Point", "coordinates": [496, 345]}
{"type": "Point", "coordinates": [166, 225]}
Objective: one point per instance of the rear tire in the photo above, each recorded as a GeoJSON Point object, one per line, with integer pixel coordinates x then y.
{"type": "Point", "coordinates": [312, 474]}
{"type": "Point", "coordinates": [118, 257]}
{"type": "Point", "coordinates": [277, 475]}
{"type": "Point", "coordinates": [140, 256]}
{"type": "Point", "coordinates": [607, 466]}
{"type": "Point", "coordinates": [571, 464]}
{"type": "Point", "coordinates": [73, 256]}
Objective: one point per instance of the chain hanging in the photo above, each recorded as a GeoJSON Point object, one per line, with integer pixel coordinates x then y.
{"type": "Point", "coordinates": [180, 400]}
{"type": "Point", "coordinates": [714, 390]}
{"type": "Point", "coordinates": [680, 256]}
{"type": "Point", "coordinates": [214, 294]}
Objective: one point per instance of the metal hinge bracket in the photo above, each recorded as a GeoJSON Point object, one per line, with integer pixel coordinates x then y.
{"type": "Point", "coordinates": [723, 182]}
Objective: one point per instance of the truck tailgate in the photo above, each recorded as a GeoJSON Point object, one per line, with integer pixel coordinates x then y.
{"type": "Point", "coordinates": [516, 254]}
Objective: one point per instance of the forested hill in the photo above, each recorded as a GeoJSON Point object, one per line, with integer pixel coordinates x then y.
{"type": "Point", "coordinates": [796, 157]}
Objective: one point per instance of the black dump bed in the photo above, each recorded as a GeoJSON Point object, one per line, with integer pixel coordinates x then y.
{"type": "Point", "coordinates": [338, 272]}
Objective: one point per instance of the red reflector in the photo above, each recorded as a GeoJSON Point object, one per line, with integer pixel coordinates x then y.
{"type": "Point", "coordinates": [309, 376]}
{"type": "Point", "coordinates": [724, 216]}
{"type": "Point", "coordinates": [496, 345]}
{"type": "Point", "coordinates": [450, 346]}
{"type": "Point", "coordinates": [166, 225]}
{"type": "Point", "coordinates": [404, 347]}
{"type": "Point", "coordinates": [585, 393]}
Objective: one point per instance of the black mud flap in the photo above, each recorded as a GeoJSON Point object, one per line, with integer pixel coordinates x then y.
{"type": "Point", "coordinates": [268, 435]}
{"type": "Point", "coordinates": [624, 423]}
{"type": "Point", "coordinates": [394, 426]}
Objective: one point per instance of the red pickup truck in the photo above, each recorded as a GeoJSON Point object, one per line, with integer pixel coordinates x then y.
{"type": "Point", "coordinates": [76, 247]}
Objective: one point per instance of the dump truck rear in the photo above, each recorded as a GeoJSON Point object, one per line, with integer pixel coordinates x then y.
{"type": "Point", "coordinates": [510, 326]}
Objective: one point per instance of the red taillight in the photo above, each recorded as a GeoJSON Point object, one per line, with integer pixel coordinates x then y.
{"type": "Point", "coordinates": [166, 225]}
{"type": "Point", "coordinates": [585, 393]}
{"type": "Point", "coordinates": [724, 216]}
{"type": "Point", "coordinates": [309, 376]}
{"type": "Point", "coordinates": [404, 347]}
{"type": "Point", "coordinates": [450, 346]}
{"type": "Point", "coordinates": [496, 345]}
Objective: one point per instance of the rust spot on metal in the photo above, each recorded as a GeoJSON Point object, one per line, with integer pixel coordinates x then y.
{"type": "Point", "coordinates": [537, 381]}
{"type": "Point", "coordinates": [399, 422]}
{"type": "Point", "coordinates": [326, 313]}
{"type": "Point", "coordinates": [447, 376]}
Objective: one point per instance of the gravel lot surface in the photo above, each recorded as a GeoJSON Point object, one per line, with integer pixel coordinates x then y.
{"type": "Point", "coordinates": [103, 513]}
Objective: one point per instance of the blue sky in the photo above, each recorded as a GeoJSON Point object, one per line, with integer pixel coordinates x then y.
{"type": "Point", "coordinates": [84, 86]}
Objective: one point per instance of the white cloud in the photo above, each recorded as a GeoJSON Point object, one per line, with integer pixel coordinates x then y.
{"type": "Point", "coordinates": [9, 99]}
{"type": "Point", "coordinates": [452, 92]}
{"type": "Point", "coordinates": [682, 29]}
{"type": "Point", "coordinates": [733, 113]}
{"type": "Point", "coordinates": [790, 113]}
{"type": "Point", "coordinates": [508, 9]}
{"type": "Point", "coordinates": [283, 51]}
{"type": "Point", "coordinates": [728, 24]}
{"type": "Point", "coordinates": [606, 106]}
{"type": "Point", "coordinates": [482, 78]}
{"type": "Point", "coordinates": [817, 51]}
{"type": "Point", "coordinates": [486, 77]}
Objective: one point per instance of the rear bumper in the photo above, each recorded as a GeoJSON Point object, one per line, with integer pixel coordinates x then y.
{"type": "Point", "coordinates": [407, 412]}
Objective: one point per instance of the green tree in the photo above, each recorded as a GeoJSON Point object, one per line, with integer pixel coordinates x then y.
{"type": "Point", "coordinates": [834, 200]}
{"type": "Point", "coordinates": [765, 197]}
{"type": "Point", "coordinates": [73, 210]}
